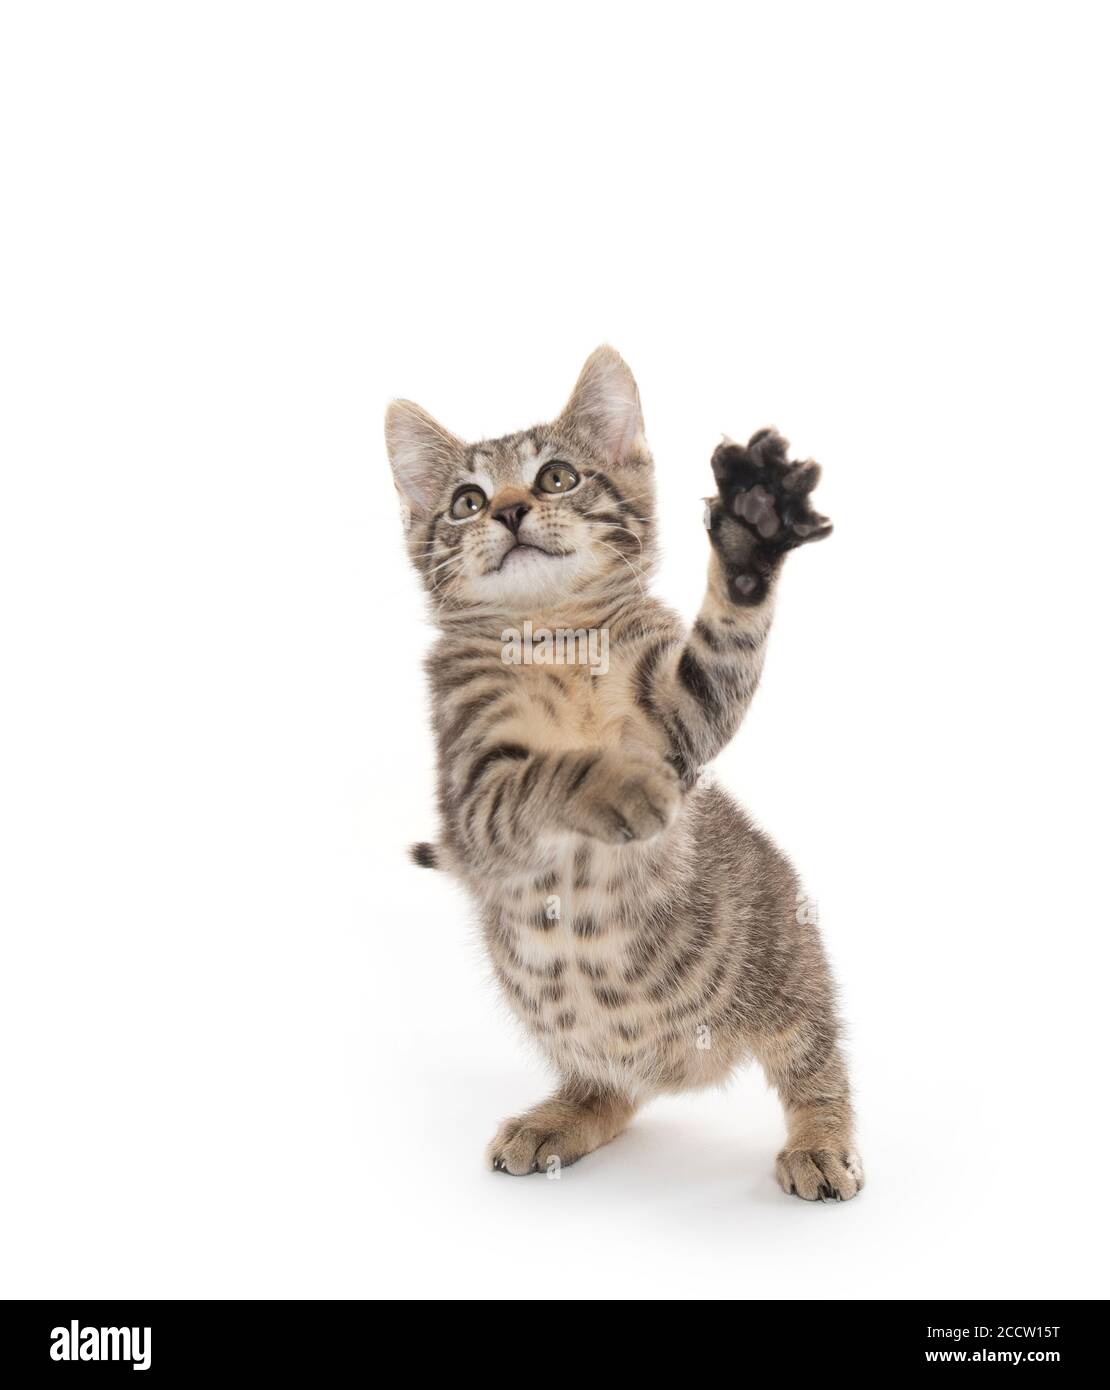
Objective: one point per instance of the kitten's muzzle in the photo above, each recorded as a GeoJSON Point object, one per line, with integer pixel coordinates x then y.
{"type": "Point", "coordinates": [522, 545]}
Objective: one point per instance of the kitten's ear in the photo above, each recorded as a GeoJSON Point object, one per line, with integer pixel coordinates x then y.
{"type": "Point", "coordinates": [605, 406]}
{"type": "Point", "coordinates": [422, 454]}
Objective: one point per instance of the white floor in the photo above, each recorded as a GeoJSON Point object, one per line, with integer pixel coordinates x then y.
{"type": "Point", "coordinates": [296, 1121]}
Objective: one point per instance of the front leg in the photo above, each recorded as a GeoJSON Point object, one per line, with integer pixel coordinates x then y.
{"type": "Point", "coordinates": [573, 1122]}
{"type": "Point", "coordinates": [510, 801]}
{"type": "Point", "coordinates": [700, 690]}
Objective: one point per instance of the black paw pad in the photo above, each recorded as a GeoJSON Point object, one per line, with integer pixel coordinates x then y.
{"type": "Point", "coordinates": [761, 511]}
{"type": "Point", "coordinates": [757, 507]}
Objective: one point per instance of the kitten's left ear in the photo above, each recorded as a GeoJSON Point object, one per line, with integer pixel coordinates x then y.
{"type": "Point", "coordinates": [605, 405]}
{"type": "Point", "coordinates": [422, 454]}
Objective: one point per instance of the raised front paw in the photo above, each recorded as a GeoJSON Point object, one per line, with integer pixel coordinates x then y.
{"type": "Point", "coordinates": [762, 510]}
{"type": "Point", "coordinates": [621, 797]}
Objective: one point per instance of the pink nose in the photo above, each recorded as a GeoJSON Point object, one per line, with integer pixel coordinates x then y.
{"type": "Point", "coordinates": [512, 515]}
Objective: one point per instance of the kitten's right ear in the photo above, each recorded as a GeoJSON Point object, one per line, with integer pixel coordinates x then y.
{"type": "Point", "coordinates": [422, 454]}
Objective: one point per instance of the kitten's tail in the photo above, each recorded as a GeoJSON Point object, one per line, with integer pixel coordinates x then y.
{"type": "Point", "coordinates": [426, 855]}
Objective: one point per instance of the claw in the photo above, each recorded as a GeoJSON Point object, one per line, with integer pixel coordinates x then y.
{"type": "Point", "coordinates": [802, 477]}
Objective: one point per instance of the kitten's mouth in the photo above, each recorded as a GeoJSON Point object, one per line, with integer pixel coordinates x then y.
{"type": "Point", "coordinates": [521, 550]}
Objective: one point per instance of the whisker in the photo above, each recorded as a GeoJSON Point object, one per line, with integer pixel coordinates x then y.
{"type": "Point", "coordinates": [454, 560]}
{"type": "Point", "coordinates": [612, 526]}
{"type": "Point", "coordinates": [636, 575]}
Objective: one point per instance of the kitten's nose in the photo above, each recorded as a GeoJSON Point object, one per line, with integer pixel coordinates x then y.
{"type": "Point", "coordinates": [512, 515]}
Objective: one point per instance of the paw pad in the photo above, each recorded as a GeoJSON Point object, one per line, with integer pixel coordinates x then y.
{"type": "Point", "coordinates": [762, 510]}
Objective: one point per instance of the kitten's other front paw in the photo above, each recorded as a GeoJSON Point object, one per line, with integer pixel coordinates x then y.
{"type": "Point", "coordinates": [519, 1148]}
{"type": "Point", "coordinates": [624, 798]}
{"type": "Point", "coordinates": [557, 1132]}
{"type": "Point", "coordinates": [762, 510]}
{"type": "Point", "coordinates": [819, 1175]}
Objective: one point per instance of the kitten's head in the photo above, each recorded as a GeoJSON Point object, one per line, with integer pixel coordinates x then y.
{"type": "Point", "coordinates": [535, 520]}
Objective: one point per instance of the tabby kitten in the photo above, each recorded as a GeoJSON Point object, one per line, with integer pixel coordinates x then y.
{"type": "Point", "coordinates": [642, 929]}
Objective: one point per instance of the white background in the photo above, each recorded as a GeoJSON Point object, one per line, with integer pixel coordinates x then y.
{"type": "Point", "coordinates": [247, 1049]}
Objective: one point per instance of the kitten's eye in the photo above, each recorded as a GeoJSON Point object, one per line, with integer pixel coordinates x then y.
{"type": "Point", "coordinates": [557, 477]}
{"type": "Point", "coordinates": [469, 501]}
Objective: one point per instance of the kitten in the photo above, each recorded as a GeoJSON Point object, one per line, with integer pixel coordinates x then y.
{"type": "Point", "coordinates": [643, 930]}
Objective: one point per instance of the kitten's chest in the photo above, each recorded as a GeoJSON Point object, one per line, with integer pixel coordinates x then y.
{"type": "Point", "coordinates": [585, 705]}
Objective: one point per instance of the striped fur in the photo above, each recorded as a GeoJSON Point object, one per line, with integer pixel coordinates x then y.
{"type": "Point", "coordinates": [643, 930]}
